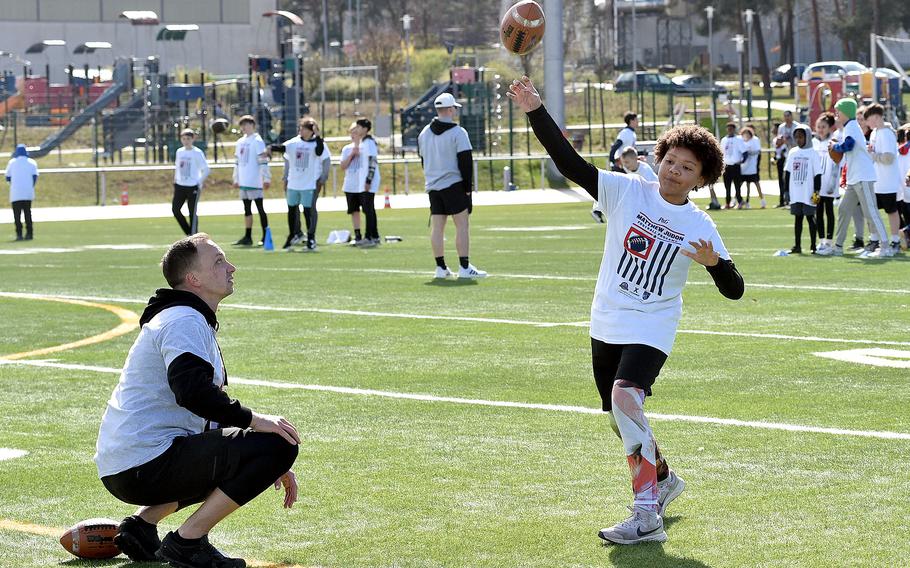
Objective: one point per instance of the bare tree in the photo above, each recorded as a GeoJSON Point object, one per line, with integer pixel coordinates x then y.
{"type": "Point", "coordinates": [381, 47]}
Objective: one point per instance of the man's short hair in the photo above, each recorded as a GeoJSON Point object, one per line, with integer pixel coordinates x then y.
{"type": "Point", "coordinates": [731, 125]}
{"type": "Point", "coordinates": [180, 258]}
{"type": "Point", "coordinates": [629, 151]}
{"type": "Point", "coordinates": [188, 132]}
{"type": "Point", "coordinates": [629, 117]}
{"type": "Point", "coordinates": [788, 113]}
{"type": "Point", "coordinates": [700, 142]}
{"type": "Point", "coordinates": [874, 109]}
{"type": "Point", "coordinates": [247, 118]}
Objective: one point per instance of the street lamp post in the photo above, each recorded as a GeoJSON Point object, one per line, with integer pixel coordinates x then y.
{"type": "Point", "coordinates": [749, 13]}
{"type": "Point", "coordinates": [710, 13]}
{"type": "Point", "coordinates": [739, 39]}
{"type": "Point", "coordinates": [406, 22]}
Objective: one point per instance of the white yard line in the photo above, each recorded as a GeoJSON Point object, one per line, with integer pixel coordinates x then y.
{"type": "Point", "coordinates": [884, 435]}
{"type": "Point", "coordinates": [398, 315]}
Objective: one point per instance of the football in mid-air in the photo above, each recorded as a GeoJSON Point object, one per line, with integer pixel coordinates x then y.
{"type": "Point", "coordinates": [92, 538]}
{"type": "Point", "coordinates": [522, 27]}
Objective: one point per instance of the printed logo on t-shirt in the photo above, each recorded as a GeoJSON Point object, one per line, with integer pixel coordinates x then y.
{"type": "Point", "coordinates": [185, 168]}
{"type": "Point", "coordinates": [244, 155]}
{"type": "Point", "coordinates": [650, 249]}
{"type": "Point", "coordinates": [800, 169]}
{"type": "Point", "coordinates": [301, 159]}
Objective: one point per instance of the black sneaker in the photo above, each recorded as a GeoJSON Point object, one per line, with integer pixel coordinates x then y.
{"type": "Point", "coordinates": [28, 236]}
{"type": "Point", "coordinates": [244, 242]}
{"type": "Point", "coordinates": [201, 555]}
{"type": "Point", "coordinates": [796, 250]}
{"type": "Point", "coordinates": [872, 246]}
{"type": "Point", "coordinates": [858, 244]}
{"type": "Point", "coordinates": [138, 539]}
{"type": "Point", "coordinates": [288, 243]}
{"type": "Point", "coordinates": [19, 238]}
{"type": "Point", "coordinates": [311, 244]}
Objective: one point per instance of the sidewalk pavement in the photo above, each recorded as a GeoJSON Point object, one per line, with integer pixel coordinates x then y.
{"type": "Point", "coordinates": [331, 203]}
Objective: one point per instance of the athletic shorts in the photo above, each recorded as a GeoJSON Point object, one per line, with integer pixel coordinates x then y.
{"type": "Point", "coordinates": [450, 201]}
{"type": "Point", "coordinates": [754, 178]}
{"type": "Point", "coordinates": [802, 209]}
{"type": "Point", "coordinates": [887, 202]}
{"type": "Point", "coordinates": [636, 363]}
{"type": "Point", "coordinates": [303, 197]}
{"type": "Point", "coordinates": [358, 201]}
{"type": "Point", "coordinates": [242, 463]}
{"type": "Point", "coordinates": [251, 193]}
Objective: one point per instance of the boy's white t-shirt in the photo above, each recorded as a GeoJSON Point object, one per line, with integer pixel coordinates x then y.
{"type": "Point", "coordinates": [903, 162]}
{"type": "Point", "coordinates": [22, 171]}
{"type": "Point", "coordinates": [304, 167]}
{"type": "Point", "coordinates": [190, 167]}
{"type": "Point", "coordinates": [803, 165]}
{"type": "Point", "coordinates": [830, 170]}
{"type": "Point", "coordinates": [355, 177]}
{"type": "Point", "coordinates": [750, 166]}
{"type": "Point", "coordinates": [888, 178]}
{"type": "Point", "coordinates": [859, 163]}
{"type": "Point", "coordinates": [733, 149]}
{"type": "Point", "coordinates": [247, 167]}
{"type": "Point", "coordinates": [628, 137]}
{"type": "Point", "coordinates": [638, 297]}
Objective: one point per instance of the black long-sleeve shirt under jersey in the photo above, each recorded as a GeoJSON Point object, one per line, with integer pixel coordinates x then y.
{"type": "Point", "coordinates": [726, 277]}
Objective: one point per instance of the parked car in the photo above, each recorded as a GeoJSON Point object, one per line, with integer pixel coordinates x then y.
{"type": "Point", "coordinates": [647, 81]}
{"type": "Point", "coordinates": [695, 85]}
{"type": "Point", "coordinates": [787, 72]}
{"type": "Point", "coordinates": [833, 68]}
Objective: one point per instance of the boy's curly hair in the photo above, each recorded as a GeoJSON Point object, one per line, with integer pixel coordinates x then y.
{"type": "Point", "coordinates": [701, 143]}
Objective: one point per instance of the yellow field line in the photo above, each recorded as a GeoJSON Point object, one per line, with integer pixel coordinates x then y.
{"type": "Point", "coordinates": [8, 525]}
{"type": "Point", "coordinates": [129, 321]}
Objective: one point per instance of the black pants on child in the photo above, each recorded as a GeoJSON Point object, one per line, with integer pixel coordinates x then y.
{"type": "Point", "coordinates": [825, 208]}
{"type": "Point", "coordinates": [23, 209]}
{"type": "Point", "coordinates": [798, 229]}
{"type": "Point", "coordinates": [185, 194]}
{"type": "Point", "coordinates": [783, 183]}
{"type": "Point", "coordinates": [733, 175]}
{"type": "Point", "coordinates": [248, 212]}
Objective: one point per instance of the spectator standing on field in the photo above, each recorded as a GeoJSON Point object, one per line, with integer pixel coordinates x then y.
{"type": "Point", "coordinates": [22, 176]}
{"type": "Point", "coordinates": [733, 149]}
{"type": "Point", "coordinates": [782, 143]}
{"type": "Point", "coordinates": [360, 162]}
{"type": "Point", "coordinates": [751, 164]}
{"type": "Point", "coordinates": [448, 166]}
{"type": "Point", "coordinates": [251, 177]}
{"type": "Point", "coordinates": [624, 139]}
{"type": "Point", "coordinates": [882, 147]}
{"type": "Point", "coordinates": [190, 171]}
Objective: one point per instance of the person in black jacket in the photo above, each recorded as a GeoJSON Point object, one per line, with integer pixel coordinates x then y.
{"type": "Point", "coordinates": [171, 437]}
{"type": "Point", "coordinates": [654, 233]}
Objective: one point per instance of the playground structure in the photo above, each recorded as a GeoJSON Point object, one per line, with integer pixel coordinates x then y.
{"type": "Point", "coordinates": [819, 93]}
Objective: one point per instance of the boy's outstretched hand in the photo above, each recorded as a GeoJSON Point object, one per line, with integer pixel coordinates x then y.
{"type": "Point", "coordinates": [704, 253]}
{"type": "Point", "coordinates": [524, 94]}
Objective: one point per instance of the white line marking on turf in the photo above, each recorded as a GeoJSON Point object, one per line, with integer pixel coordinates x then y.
{"type": "Point", "coordinates": [10, 453]}
{"type": "Point", "coordinates": [487, 320]}
{"type": "Point", "coordinates": [885, 435]}
{"type": "Point", "coordinates": [874, 356]}
{"type": "Point", "coordinates": [59, 250]}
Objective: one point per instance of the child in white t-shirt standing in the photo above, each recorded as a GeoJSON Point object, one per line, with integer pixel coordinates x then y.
{"type": "Point", "coordinates": [889, 181]}
{"type": "Point", "coordinates": [307, 162]}
{"type": "Point", "coordinates": [733, 148]}
{"type": "Point", "coordinates": [903, 161]}
{"type": "Point", "coordinates": [752, 146]}
{"type": "Point", "coordinates": [190, 171]}
{"type": "Point", "coordinates": [22, 175]}
{"type": "Point", "coordinates": [830, 180]}
{"type": "Point", "coordinates": [360, 162]}
{"type": "Point", "coordinates": [804, 168]}
{"type": "Point", "coordinates": [251, 177]}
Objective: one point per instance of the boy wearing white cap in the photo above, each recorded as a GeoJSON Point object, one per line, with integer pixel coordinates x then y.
{"type": "Point", "coordinates": [448, 166]}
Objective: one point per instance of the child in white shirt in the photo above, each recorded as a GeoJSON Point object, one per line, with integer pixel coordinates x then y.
{"type": "Point", "coordinates": [752, 146]}
{"type": "Point", "coordinates": [251, 177]}
{"type": "Point", "coordinates": [804, 169]}
{"type": "Point", "coordinates": [190, 171]}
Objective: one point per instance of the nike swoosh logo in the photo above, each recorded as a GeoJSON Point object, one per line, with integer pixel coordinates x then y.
{"type": "Point", "coordinates": [646, 533]}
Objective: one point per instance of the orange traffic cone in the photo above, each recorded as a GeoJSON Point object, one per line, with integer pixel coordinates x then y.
{"type": "Point", "coordinates": [388, 202]}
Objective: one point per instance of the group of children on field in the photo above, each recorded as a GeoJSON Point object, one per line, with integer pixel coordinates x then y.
{"type": "Point", "coordinates": [307, 163]}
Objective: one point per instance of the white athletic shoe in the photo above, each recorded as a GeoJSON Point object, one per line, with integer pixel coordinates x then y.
{"type": "Point", "coordinates": [641, 526]}
{"type": "Point", "coordinates": [830, 251]}
{"type": "Point", "coordinates": [669, 489]}
{"type": "Point", "coordinates": [471, 272]}
{"type": "Point", "coordinates": [443, 272]}
{"type": "Point", "coordinates": [764, 204]}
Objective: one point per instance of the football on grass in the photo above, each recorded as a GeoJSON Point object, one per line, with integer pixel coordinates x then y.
{"type": "Point", "coordinates": [522, 27]}
{"type": "Point", "coordinates": [93, 538]}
